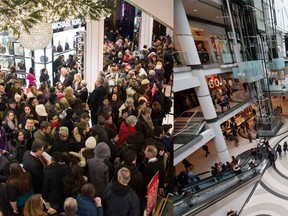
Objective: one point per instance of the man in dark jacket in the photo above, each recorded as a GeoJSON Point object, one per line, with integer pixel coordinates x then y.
{"type": "Point", "coordinates": [82, 93]}
{"type": "Point", "coordinates": [160, 98]}
{"type": "Point", "coordinates": [29, 129]}
{"type": "Point", "coordinates": [118, 197]}
{"type": "Point", "coordinates": [152, 166]}
{"type": "Point", "coordinates": [33, 164]}
{"type": "Point", "coordinates": [52, 182]}
{"type": "Point", "coordinates": [95, 99]}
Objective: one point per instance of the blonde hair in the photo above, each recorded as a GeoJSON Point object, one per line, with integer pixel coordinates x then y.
{"type": "Point", "coordinates": [68, 92]}
{"type": "Point", "coordinates": [77, 77]}
{"type": "Point", "coordinates": [34, 206]}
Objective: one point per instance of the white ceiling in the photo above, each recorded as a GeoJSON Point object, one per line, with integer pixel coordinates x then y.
{"type": "Point", "coordinates": [161, 10]}
{"type": "Point", "coordinates": [204, 9]}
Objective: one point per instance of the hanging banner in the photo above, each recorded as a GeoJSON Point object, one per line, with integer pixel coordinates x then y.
{"type": "Point", "coordinates": [79, 47]}
{"type": "Point", "coordinates": [152, 191]}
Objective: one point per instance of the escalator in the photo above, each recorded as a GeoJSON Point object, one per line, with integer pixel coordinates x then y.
{"type": "Point", "coordinates": [194, 198]}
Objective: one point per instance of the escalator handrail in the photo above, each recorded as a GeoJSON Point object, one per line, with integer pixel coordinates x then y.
{"type": "Point", "coordinates": [219, 175]}
{"type": "Point", "coordinates": [219, 182]}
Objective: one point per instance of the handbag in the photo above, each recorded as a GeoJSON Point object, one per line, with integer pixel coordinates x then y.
{"type": "Point", "coordinates": [67, 47]}
{"type": "Point", "coordinates": [43, 59]}
{"type": "Point", "coordinates": [59, 47]}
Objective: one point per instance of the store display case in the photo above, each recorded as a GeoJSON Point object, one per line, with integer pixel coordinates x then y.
{"type": "Point", "coordinates": [13, 54]}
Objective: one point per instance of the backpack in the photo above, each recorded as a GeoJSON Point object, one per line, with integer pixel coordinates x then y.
{"type": "Point", "coordinates": [167, 105]}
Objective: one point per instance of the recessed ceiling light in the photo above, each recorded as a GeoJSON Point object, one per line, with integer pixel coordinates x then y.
{"type": "Point", "coordinates": [195, 10]}
{"type": "Point", "coordinates": [217, 17]}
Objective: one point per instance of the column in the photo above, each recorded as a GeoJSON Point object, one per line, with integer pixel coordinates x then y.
{"type": "Point", "coordinates": [146, 30]}
{"type": "Point", "coordinates": [184, 41]}
{"type": "Point", "coordinates": [93, 58]}
{"type": "Point", "coordinates": [210, 115]}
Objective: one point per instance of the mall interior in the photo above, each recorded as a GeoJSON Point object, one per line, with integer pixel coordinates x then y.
{"type": "Point", "coordinates": [230, 98]}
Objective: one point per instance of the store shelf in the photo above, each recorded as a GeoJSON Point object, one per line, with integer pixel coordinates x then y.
{"type": "Point", "coordinates": [48, 62]}
{"type": "Point", "coordinates": [60, 53]}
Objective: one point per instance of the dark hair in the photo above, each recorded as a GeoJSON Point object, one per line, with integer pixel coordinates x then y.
{"type": "Point", "coordinates": [45, 125]}
{"type": "Point", "coordinates": [19, 179]}
{"type": "Point", "coordinates": [101, 120]}
{"type": "Point", "coordinates": [81, 126]}
{"type": "Point", "coordinates": [30, 117]}
{"type": "Point", "coordinates": [159, 86]}
{"type": "Point", "coordinates": [37, 145]}
{"type": "Point", "coordinates": [57, 156]}
{"type": "Point", "coordinates": [73, 181]}
{"type": "Point", "coordinates": [31, 70]}
{"type": "Point", "coordinates": [85, 115]}
{"type": "Point", "coordinates": [99, 133]}
{"type": "Point", "coordinates": [17, 132]}
{"type": "Point", "coordinates": [88, 190]}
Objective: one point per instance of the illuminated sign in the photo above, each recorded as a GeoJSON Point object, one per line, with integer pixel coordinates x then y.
{"type": "Point", "coordinates": [66, 24]}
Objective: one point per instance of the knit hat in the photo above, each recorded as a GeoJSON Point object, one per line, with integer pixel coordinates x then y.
{"type": "Point", "coordinates": [129, 156]}
{"type": "Point", "coordinates": [90, 142]}
{"type": "Point", "coordinates": [40, 110]}
{"type": "Point", "coordinates": [145, 82]}
{"type": "Point", "coordinates": [152, 73]}
{"type": "Point", "coordinates": [107, 109]}
{"type": "Point", "coordinates": [63, 131]}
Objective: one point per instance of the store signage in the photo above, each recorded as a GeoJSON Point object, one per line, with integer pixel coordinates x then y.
{"type": "Point", "coordinates": [213, 82]}
{"type": "Point", "coordinates": [66, 24]}
{"type": "Point", "coordinates": [152, 192]}
{"type": "Point", "coordinates": [79, 39]}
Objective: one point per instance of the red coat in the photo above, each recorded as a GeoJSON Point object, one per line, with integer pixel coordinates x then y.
{"type": "Point", "coordinates": [125, 130]}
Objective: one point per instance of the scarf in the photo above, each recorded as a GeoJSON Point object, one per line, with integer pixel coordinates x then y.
{"type": "Point", "coordinates": [12, 125]}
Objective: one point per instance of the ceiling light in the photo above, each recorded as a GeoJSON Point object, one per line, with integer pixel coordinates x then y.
{"type": "Point", "coordinates": [217, 17]}
{"type": "Point", "coordinates": [195, 10]}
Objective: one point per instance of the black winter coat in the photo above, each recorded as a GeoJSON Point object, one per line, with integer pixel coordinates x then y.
{"type": "Point", "coordinates": [120, 200]}
{"type": "Point", "coordinates": [34, 166]}
{"type": "Point", "coordinates": [52, 183]}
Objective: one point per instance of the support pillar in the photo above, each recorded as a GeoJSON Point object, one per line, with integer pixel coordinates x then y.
{"type": "Point", "coordinates": [146, 30]}
{"type": "Point", "coordinates": [210, 115]}
{"type": "Point", "coordinates": [93, 58]}
{"type": "Point", "coordinates": [184, 39]}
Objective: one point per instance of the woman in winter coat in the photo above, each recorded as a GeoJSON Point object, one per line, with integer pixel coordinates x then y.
{"type": "Point", "coordinates": [18, 146]}
{"type": "Point", "coordinates": [44, 77]}
{"type": "Point", "coordinates": [126, 128]}
{"type": "Point", "coordinates": [31, 77]}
